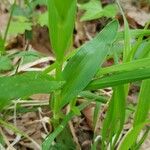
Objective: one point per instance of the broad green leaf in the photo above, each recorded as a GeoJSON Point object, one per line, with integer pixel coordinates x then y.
{"type": "Point", "coordinates": [94, 10]}
{"type": "Point", "coordinates": [5, 63]}
{"type": "Point", "coordinates": [143, 107]}
{"type": "Point", "coordinates": [43, 19]}
{"type": "Point", "coordinates": [114, 121]}
{"type": "Point", "coordinates": [110, 11]}
{"type": "Point", "coordinates": [19, 26]}
{"type": "Point", "coordinates": [82, 67]}
{"type": "Point", "coordinates": [119, 78]}
{"type": "Point", "coordinates": [61, 24]}
{"type": "Point", "coordinates": [131, 137]}
{"type": "Point", "coordinates": [26, 84]}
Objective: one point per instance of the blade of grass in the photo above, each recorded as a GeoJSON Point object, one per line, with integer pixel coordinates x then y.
{"type": "Point", "coordinates": [134, 33]}
{"type": "Point", "coordinates": [143, 106]}
{"type": "Point", "coordinates": [113, 123]}
{"type": "Point", "coordinates": [127, 36]}
{"type": "Point", "coordinates": [118, 79]}
{"type": "Point", "coordinates": [131, 137]}
{"type": "Point", "coordinates": [133, 65]}
{"type": "Point", "coordinates": [91, 96]}
{"type": "Point", "coordinates": [2, 51]}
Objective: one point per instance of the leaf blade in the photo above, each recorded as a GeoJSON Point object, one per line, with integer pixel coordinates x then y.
{"type": "Point", "coordinates": [83, 66]}
{"type": "Point", "coordinates": [24, 85]}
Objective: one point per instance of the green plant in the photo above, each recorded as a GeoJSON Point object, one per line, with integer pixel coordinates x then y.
{"type": "Point", "coordinates": [80, 72]}
{"type": "Point", "coordinates": [94, 10]}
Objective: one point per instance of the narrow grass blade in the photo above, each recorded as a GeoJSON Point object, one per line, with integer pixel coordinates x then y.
{"type": "Point", "coordinates": [119, 78]}
{"type": "Point", "coordinates": [133, 65]}
{"type": "Point", "coordinates": [93, 97]}
{"type": "Point", "coordinates": [131, 137]}
{"type": "Point", "coordinates": [115, 117]}
{"type": "Point", "coordinates": [26, 84]}
{"type": "Point", "coordinates": [134, 33]}
{"type": "Point", "coordinates": [82, 67]}
{"type": "Point", "coordinates": [143, 106]}
{"type": "Point", "coordinates": [127, 36]}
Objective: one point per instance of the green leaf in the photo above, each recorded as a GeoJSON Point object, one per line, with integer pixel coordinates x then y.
{"type": "Point", "coordinates": [127, 37]}
{"type": "Point", "coordinates": [133, 65]}
{"type": "Point", "coordinates": [114, 121]}
{"type": "Point", "coordinates": [119, 78]}
{"type": "Point", "coordinates": [94, 10]}
{"type": "Point", "coordinates": [19, 26]}
{"type": "Point", "coordinates": [134, 33]}
{"type": "Point", "coordinates": [61, 24]}
{"type": "Point", "coordinates": [82, 67]}
{"type": "Point", "coordinates": [143, 106]}
{"type": "Point", "coordinates": [26, 84]}
{"type": "Point", "coordinates": [43, 19]}
{"type": "Point", "coordinates": [143, 50]}
{"type": "Point", "coordinates": [5, 63]}
{"type": "Point", "coordinates": [131, 137]}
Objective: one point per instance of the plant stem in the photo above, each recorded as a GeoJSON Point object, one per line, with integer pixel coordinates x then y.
{"type": "Point", "coordinates": [57, 96]}
{"type": "Point", "coordinates": [8, 25]}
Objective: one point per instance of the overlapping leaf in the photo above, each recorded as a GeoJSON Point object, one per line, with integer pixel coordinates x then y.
{"type": "Point", "coordinates": [85, 63]}
{"type": "Point", "coordinates": [24, 85]}
{"type": "Point", "coordinates": [119, 78]}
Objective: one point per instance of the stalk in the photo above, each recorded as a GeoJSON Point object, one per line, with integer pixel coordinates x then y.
{"type": "Point", "coordinates": [57, 96]}
{"type": "Point", "coordinates": [7, 28]}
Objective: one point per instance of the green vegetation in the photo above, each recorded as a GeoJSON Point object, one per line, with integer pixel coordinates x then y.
{"type": "Point", "coordinates": [80, 72]}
